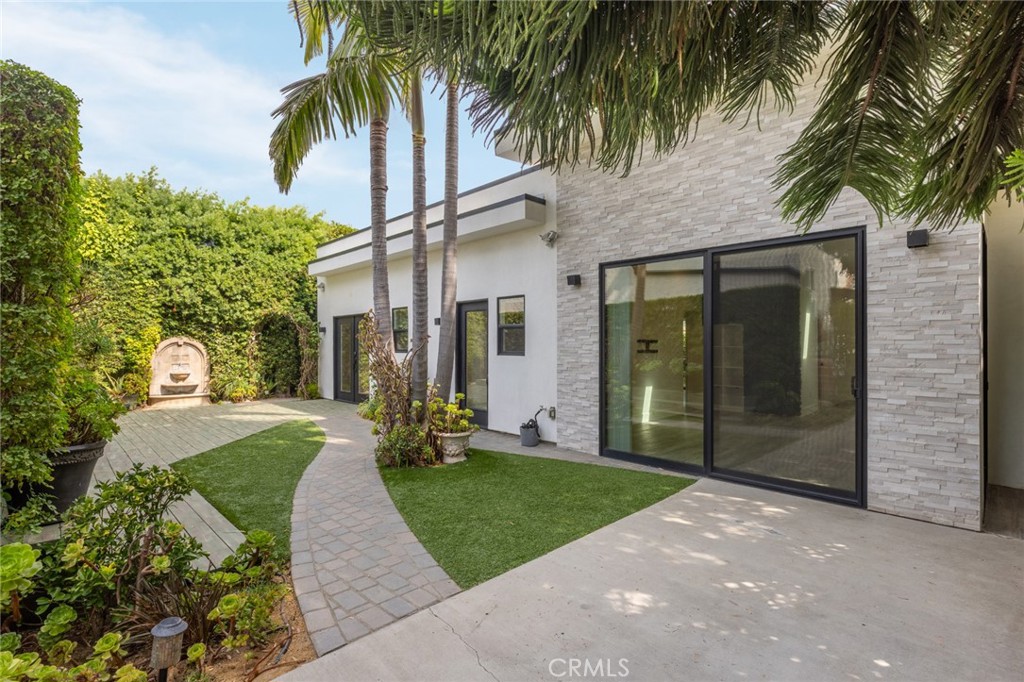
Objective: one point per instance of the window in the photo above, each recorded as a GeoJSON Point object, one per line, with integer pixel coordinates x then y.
{"type": "Point", "coordinates": [512, 325]}
{"type": "Point", "coordinates": [400, 329]}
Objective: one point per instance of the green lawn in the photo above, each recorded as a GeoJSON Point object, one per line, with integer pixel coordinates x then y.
{"type": "Point", "coordinates": [252, 481]}
{"type": "Point", "coordinates": [496, 511]}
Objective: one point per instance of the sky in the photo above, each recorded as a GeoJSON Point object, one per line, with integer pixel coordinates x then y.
{"type": "Point", "coordinates": [189, 87]}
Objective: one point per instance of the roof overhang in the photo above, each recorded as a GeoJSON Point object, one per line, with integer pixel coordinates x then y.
{"type": "Point", "coordinates": [509, 215]}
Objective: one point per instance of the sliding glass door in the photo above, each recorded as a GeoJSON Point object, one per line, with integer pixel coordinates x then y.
{"type": "Point", "coordinates": [654, 359]}
{"type": "Point", "coordinates": [785, 365]}
{"type": "Point", "coordinates": [783, 354]}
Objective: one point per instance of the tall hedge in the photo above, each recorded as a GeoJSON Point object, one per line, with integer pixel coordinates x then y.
{"type": "Point", "coordinates": [159, 262]}
{"type": "Point", "coordinates": [39, 191]}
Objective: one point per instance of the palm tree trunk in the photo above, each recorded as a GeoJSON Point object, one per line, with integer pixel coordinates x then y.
{"type": "Point", "coordinates": [446, 340]}
{"type": "Point", "coordinates": [419, 242]}
{"type": "Point", "coordinates": [378, 226]}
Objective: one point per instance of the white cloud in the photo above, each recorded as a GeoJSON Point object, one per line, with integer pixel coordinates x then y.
{"type": "Point", "coordinates": [152, 97]}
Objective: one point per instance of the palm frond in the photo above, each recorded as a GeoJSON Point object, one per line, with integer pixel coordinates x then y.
{"type": "Point", "coordinates": [857, 136]}
{"type": "Point", "coordinates": [977, 122]}
{"type": "Point", "coordinates": [772, 51]}
{"type": "Point", "coordinates": [355, 87]}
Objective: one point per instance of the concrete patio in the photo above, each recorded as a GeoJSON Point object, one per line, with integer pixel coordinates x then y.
{"type": "Point", "coordinates": [724, 582]}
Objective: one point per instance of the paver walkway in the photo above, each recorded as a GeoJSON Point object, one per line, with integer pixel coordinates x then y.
{"type": "Point", "coordinates": [356, 566]}
{"type": "Point", "coordinates": [723, 582]}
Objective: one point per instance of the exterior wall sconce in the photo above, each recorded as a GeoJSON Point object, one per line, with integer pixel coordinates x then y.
{"type": "Point", "coordinates": [167, 636]}
{"type": "Point", "coordinates": [322, 330]}
{"type": "Point", "coordinates": [574, 280]}
{"type": "Point", "coordinates": [917, 239]}
{"type": "Point", "coordinates": [322, 286]}
{"type": "Point", "coordinates": [548, 237]}
{"type": "Point", "coordinates": [437, 321]}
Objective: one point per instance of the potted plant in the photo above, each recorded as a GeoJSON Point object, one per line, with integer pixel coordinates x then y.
{"type": "Point", "coordinates": [450, 425]}
{"type": "Point", "coordinates": [91, 422]}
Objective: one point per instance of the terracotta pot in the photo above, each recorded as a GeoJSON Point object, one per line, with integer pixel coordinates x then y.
{"type": "Point", "coordinates": [454, 446]}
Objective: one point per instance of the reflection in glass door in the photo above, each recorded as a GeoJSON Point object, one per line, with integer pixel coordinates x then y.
{"type": "Point", "coordinates": [784, 348]}
{"type": "Point", "coordinates": [471, 363]}
{"type": "Point", "coordinates": [654, 359]}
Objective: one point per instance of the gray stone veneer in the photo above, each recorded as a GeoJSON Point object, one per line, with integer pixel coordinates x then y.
{"type": "Point", "coordinates": [923, 318]}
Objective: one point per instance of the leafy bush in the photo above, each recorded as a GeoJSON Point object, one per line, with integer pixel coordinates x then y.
{"type": "Point", "coordinates": [403, 446]}
{"type": "Point", "coordinates": [127, 568]}
{"type": "Point", "coordinates": [39, 191]}
{"type": "Point", "coordinates": [91, 410]}
{"type": "Point", "coordinates": [161, 262]}
{"type": "Point", "coordinates": [117, 540]}
{"type": "Point", "coordinates": [105, 663]}
{"type": "Point", "coordinates": [18, 564]}
{"type": "Point", "coordinates": [449, 417]}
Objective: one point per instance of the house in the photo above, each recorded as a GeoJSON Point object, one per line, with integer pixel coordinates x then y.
{"type": "Point", "coordinates": [672, 317]}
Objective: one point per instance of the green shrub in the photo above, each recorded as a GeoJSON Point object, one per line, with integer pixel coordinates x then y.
{"type": "Point", "coordinates": [18, 564]}
{"type": "Point", "coordinates": [39, 191]}
{"type": "Point", "coordinates": [91, 410]}
{"type": "Point", "coordinates": [161, 262]}
{"type": "Point", "coordinates": [403, 446]}
{"type": "Point", "coordinates": [117, 540]}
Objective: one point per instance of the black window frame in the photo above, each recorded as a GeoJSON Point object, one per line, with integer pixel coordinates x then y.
{"type": "Point", "coordinates": [395, 329]}
{"type": "Point", "coordinates": [502, 327]}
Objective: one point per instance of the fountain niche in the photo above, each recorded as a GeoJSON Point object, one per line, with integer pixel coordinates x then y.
{"type": "Point", "coordinates": [181, 374]}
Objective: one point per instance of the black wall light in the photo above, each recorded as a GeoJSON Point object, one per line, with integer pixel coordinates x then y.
{"type": "Point", "coordinates": [917, 238]}
{"type": "Point", "coordinates": [573, 280]}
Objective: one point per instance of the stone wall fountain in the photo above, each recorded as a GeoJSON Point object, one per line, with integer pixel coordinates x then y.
{"type": "Point", "coordinates": [181, 374]}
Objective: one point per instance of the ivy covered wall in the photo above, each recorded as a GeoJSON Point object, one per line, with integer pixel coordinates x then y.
{"type": "Point", "coordinates": [160, 262]}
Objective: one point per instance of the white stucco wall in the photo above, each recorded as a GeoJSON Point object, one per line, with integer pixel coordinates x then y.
{"type": "Point", "coordinates": [509, 263]}
{"type": "Point", "coordinates": [1005, 350]}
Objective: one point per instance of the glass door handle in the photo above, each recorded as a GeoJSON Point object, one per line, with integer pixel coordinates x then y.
{"type": "Point", "coordinates": [854, 390]}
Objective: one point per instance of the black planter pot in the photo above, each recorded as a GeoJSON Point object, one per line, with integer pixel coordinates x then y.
{"type": "Point", "coordinates": [528, 436]}
{"type": "Point", "coordinates": [72, 473]}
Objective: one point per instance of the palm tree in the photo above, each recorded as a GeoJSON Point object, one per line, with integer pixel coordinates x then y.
{"type": "Point", "coordinates": [449, 258]}
{"type": "Point", "coordinates": [419, 237]}
{"type": "Point", "coordinates": [921, 102]}
{"type": "Point", "coordinates": [357, 87]}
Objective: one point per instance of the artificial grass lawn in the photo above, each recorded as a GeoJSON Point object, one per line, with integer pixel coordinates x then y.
{"type": "Point", "coordinates": [495, 511]}
{"type": "Point", "coordinates": [252, 481]}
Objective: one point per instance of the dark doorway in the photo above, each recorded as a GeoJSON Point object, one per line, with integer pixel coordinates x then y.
{"type": "Point", "coordinates": [351, 370]}
{"type": "Point", "coordinates": [471, 361]}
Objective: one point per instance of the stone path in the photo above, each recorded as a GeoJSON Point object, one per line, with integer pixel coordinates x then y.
{"type": "Point", "coordinates": [356, 566]}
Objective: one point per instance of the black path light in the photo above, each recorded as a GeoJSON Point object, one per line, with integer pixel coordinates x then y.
{"type": "Point", "coordinates": [167, 636]}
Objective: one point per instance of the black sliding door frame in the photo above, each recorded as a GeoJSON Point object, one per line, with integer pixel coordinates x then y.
{"type": "Point", "coordinates": [710, 285]}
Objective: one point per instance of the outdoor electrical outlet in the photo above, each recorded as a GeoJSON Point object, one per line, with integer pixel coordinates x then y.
{"type": "Point", "coordinates": [551, 413]}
